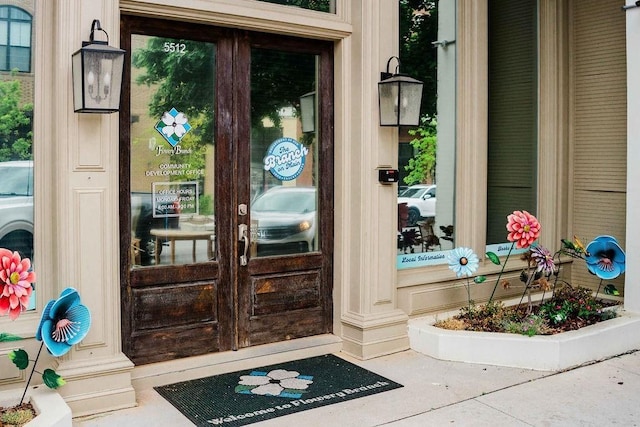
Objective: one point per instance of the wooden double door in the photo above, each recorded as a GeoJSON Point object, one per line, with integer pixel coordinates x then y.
{"type": "Point", "coordinates": [226, 189]}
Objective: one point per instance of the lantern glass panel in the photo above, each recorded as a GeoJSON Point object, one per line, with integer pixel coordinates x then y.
{"type": "Point", "coordinates": [388, 98]}
{"type": "Point", "coordinates": [409, 100]}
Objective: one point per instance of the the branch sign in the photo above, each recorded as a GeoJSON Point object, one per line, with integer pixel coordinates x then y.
{"type": "Point", "coordinates": [285, 158]}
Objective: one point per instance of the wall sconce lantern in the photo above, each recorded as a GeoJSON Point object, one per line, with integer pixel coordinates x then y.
{"type": "Point", "coordinates": [97, 75]}
{"type": "Point", "coordinates": [399, 98]}
{"type": "Point", "coordinates": [308, 112]}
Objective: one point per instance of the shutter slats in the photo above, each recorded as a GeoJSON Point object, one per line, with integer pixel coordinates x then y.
{"type": "Point", "coordinates": [599, 125]}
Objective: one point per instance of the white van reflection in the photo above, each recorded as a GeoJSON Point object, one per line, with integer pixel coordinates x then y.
{"type": "Point", "coordinates": [16, 206]}
{"type": "Point", "coordinates": [286, 220]}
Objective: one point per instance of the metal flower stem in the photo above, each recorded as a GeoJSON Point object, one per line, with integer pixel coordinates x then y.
{"type": "Point", "coordinates": [501, 271]}
{"type": "Point", "coordinates": [527, 291]}
{"type": "Point", "coordinates": [35, 362]}
{"type": "Point", "coordinates": [598, 291]}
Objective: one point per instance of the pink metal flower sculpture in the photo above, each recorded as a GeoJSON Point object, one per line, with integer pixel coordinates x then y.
{"type": "Point", "coordinates": [523, 229]}
{"type": "Point", "coordinates": [15, 280]}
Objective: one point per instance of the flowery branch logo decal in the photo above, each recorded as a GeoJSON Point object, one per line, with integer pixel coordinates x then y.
{"type": "Point", "coordinates": [279, 383]}
{"type": "Point", "coordinates": [173, 126]}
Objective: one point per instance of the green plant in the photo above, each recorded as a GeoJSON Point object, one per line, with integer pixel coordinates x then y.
{"type": "Point", "coordinates": [422, 166]}
{"type": "Point", "coordinates": [16, 416]}
{"type": "Point", "coordinates": [16, 132]}
{"type": "Point", "coordinates": [531, 325]}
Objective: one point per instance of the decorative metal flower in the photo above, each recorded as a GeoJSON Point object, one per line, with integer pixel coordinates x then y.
{"type": "Point", "coordinates": [605, 258]}
{"type": "Point", "coordinates": [463, 261]}
{"type": "Point", "coordinates": [543, 259]}
{"type": "Point", "coordinates": [64, 323]}
{"type": "Point", "coordinates": [15, 282]}
{"type": "Point", "coordinates": [523, 229]}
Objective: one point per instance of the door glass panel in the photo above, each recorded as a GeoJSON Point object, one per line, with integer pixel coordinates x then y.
{"type": "Point", "coordinates": [172, 151]}
{"type": "Point", "coordinates": [284, 153]}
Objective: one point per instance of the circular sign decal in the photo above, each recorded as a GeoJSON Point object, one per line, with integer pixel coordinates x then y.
{"type": "Point", "coordinates": [285, 158]}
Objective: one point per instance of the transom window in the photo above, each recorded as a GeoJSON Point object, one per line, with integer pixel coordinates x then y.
{"type": "Point", "coordinates": [319, 5]}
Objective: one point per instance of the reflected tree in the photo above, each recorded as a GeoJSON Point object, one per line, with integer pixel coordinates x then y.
{"type": "Point", "coordinates": [16, 127]}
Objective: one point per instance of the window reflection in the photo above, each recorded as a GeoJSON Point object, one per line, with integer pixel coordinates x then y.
{"type": "Point", "coordinates": [16, 130]}
{"type": "Point", "coordinates": [426, 156]}
{"type": "Point", "coordinates": [513, 115]}
{"type": "Point", "coordinates": [172, 151]}
{"type": "Point", "coordinates": [284, 167]}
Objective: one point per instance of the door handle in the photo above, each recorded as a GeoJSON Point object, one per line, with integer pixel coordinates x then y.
{"type": "Point", "coordinates": [243, 235]}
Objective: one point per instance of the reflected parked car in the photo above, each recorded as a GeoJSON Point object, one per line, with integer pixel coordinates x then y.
{"type": "Point", "coordinates": [287, 220]}
{"type": "Point", "coordinates": [16, 206]}
{"type": "Point", "coordinates": [421, 201]}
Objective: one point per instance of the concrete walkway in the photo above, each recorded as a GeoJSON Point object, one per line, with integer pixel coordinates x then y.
{"type": "Point", "coordinates": [439, 393]}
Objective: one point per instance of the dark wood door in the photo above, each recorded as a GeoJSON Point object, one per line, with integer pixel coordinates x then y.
{"type": "Point", "coordinates": [226, 189]}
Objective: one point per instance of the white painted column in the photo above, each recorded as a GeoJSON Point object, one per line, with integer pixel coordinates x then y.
{"type": "Point", "coordinates": [632, 279]}
{"type": "Point", "coordinates": [366, 211]}
{"type": "Point", "coordinates": [86, 215]}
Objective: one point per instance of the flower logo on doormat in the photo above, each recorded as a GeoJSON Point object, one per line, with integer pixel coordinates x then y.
{"type": "Point", "coordinates": [279, 383]}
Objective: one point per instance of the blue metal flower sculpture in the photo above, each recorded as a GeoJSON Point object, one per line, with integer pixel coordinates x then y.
{"type": "Point", "coordinates": [463, 261]}
{"type": "Point", "coordinates": [605, 258]}
{"type": "Point", "coordinates": [64, 323]}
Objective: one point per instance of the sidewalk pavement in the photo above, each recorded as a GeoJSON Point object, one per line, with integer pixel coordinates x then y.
{"type": "Point", "coordinates": [441, 393]}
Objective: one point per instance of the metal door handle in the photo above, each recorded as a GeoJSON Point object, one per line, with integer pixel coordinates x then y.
{"type": "Point", "coordinates": [243, 234]}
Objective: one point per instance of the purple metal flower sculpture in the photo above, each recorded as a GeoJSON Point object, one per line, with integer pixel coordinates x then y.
{"type": "Point", "coordinates": [605, 258]}
{"type": "Point", "coordinates": [64, 323]}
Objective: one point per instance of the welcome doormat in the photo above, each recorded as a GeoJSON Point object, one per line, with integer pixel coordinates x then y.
{"type": "Point", "coordinates": [253, 395]}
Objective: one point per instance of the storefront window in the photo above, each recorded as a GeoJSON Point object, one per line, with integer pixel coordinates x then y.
{"type": "Point", "coordinates": [319, 5]}
{"type": "Point", "coordinates": [513, 116]}
{"type": "Point", "coordinates": [426, 157]}
{"type": "Point", "coordinates": [16, 130]}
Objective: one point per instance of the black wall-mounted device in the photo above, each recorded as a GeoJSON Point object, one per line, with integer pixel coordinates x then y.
{"type": "Point", "coordinates": [388, 176]}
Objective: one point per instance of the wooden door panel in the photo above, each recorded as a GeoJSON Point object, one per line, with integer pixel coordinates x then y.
{"type": "Point", "coordinates": [150, 346]}
{"type": "Point", "coordinates": [286, 325]}
{"type": "Point", "coordinates": [167, 306]}
{"type": "Point", "coordinates": [275, 294]}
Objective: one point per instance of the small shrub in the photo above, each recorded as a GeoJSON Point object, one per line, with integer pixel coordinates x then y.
{"type": "Point", "coordinates": [529, 326]}
{"type": "Point", "coordinates": [451, 324]}
{"type": "Point", "coordinates": [16, 417]}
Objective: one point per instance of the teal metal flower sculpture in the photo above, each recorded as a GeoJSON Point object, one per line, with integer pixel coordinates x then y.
{"type": "Point", "coordinates": [64, 323]}
{"type": "Point", "coordinates": [605, 258]}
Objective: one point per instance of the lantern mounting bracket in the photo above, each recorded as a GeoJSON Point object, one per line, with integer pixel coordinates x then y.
{"type": "Point", "coordinates": [95, 26]}
{"type": "Point", "coordinates": [385, 75]}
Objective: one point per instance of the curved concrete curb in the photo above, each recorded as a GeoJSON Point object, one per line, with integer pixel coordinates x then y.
{"type": "Point", "coordinates": [540, 352]}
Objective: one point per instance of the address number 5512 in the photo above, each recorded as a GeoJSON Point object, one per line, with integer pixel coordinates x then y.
{"type": "Point", "coordinates": [171, 47]}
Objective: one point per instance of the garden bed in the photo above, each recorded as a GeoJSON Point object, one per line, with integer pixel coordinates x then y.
{"type": "Point", "coordinates": [540, 352]}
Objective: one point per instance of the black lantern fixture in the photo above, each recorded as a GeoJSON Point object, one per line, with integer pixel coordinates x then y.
{"type": "Point", "coordinates": [97, 75]}
{"type": "Point", "coordinates": [399, 98]}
